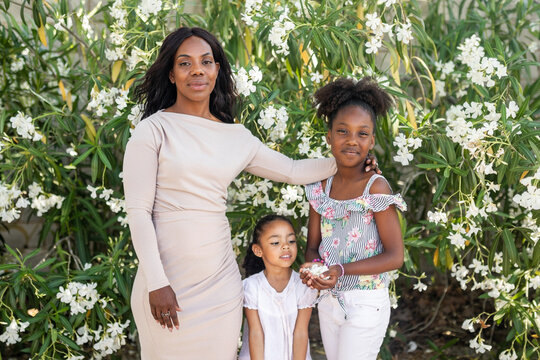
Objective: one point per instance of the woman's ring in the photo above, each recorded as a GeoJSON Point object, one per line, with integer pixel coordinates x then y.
{"type": "Point", "coordinates": [167, 314]}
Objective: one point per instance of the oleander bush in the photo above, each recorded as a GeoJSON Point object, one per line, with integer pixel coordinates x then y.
{"type": "Point", "coordinates": [462, 146]}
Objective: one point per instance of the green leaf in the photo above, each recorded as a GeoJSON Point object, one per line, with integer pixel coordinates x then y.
{"type": "Point", "coordinates": [94, 167]}
{"type": "Point", "coordinates": [433, 158]}
{"type": "Point", "coordinates": [45, 344]}
{"type": "Point", "coordinates": [440, 189]}
{"type": "Point", "coordinates": [66, 323]}
{"type": "Point", "coordinates": [536, 255]}
{"type": "Point", "coordinates": [430, 166]}
{"type": "Point", "coordinates": [83, 156]}
{"type": "Point", "coordinates": [510, 245]}
{"type": "Point", "coordinates": [104, 159]}
{"type": "Point", "coordinates": [67, 341]}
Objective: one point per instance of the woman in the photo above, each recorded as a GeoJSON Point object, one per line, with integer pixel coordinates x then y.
{"type": "Point", "coordinates": [177, 167]}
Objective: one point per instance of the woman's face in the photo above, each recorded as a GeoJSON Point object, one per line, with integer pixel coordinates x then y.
{"type": "Point", "coordinates": [194, 71]}
{"type": "Point", "coordinates": [352, 136]}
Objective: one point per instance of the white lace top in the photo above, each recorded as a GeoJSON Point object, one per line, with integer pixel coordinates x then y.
{"type": "Point", "coordinates": [277, 312]}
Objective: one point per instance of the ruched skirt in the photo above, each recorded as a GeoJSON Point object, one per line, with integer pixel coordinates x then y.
{"type": "Point", "coordinates": [196, 252]}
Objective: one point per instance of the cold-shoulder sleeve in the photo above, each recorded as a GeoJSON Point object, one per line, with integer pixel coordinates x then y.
{"type": "Point", "coordinates": [140, 173]}
{"type": "Point", "coordinates": [337, 209]}
{"type": "Point", "coordinates": [250, 293]}
{"type": "Point", "coordinates": [272, 165]}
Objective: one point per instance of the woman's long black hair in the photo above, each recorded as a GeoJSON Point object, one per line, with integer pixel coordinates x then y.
{"type": "Point", "coordinates": [156, 91]}
{"type": "Point", "coordinates": [252, 263]}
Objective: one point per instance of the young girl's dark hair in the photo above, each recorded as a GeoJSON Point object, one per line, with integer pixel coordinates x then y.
{"type": "Point", "coordinates": [344, 92]}
{"type": "Point", "coordinates": [252, 263]}
{"type": "Point", "coordinates": [156, 91]}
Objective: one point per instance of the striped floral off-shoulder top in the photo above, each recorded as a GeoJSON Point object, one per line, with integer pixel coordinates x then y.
{"type": "Point", "coordinates": [349, 232]}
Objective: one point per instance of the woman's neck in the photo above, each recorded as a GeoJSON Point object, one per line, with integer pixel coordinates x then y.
{"type": "Point", "coordinates": [199, 108]}
{"type": "Point", "coordinates": [278, 277]}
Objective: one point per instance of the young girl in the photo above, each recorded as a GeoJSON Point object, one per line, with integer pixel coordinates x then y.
{"type": "Point", "coordinates": [353, 225]}
{"type": "Point", "coordinates": [276, 303]}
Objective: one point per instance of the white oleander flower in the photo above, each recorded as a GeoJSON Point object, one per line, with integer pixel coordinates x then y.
{"type": "Point", "coordinates": [316, 77]}
{"type": "Point", "coordinates": [17, 64]}
{"type": "Point", "coordinates": [386, 3]}
{"type": "Point", "coordinates": [147, 8]}
{"type": "Point", "coordinates": [439, 86]}
{"type": "Point", "coordinates": [255, 74]}
{"type": "Point", "coordinates": [468, 324]}
{"type": "Point", "coordinates": [373, 45]}
{"type": "Point", "coordinates": [420, 286]}
{"type": "Point", "coordinates": [12, 333]}
{"type": "Point", "coordinates": [508, 355]}
{"type": "Point", "coordinates": [24, 126]}
{"type": "Point", "coordinates": [404, 33]}
{"type": "Point", "coordinates": [479, 345]}
{"type": "Point", "coordinates": [44, 203]}
{"type": "Point", "coordinates": [437, 217]}
{"type": "Point", "coordinates": [373, 21]}
{"type": "Point", "coordinates": [71, 151]}
{"type": "Point", "coordinates": [280, 32]}
{"type": "Point", "coordinates": [512, 109]}
{"type": "Point", "coordinates": [136, 114]}
{"type": "Point", "coordinates": [292, 194]}
{"type": "Point", "coordinates": [106, 194]}
{"type": "Point", "coordinates": [535, 282]}
{"type": "Point", "coordinates": [93, 191]}
{"type": "Point", "coordinates": [80, 297]}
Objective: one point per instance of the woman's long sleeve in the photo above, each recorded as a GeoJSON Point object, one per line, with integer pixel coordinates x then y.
{"type": "Point", "coordinates": [140, 172]}
{"type": "Point", "coordinates": [272, 165]}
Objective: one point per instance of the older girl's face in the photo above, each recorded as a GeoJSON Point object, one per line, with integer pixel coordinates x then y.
{"type": "Point", "coordinates": [195, 71]}
{"type": "Point", "coordinates": [351, 137]}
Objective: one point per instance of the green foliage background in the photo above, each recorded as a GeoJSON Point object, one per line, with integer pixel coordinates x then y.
{"type": "Point", "coordinates": [65, 68]}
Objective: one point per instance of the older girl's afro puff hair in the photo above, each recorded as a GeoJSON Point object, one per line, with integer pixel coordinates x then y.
{"type": "Point", "coordinates": [344, 92]}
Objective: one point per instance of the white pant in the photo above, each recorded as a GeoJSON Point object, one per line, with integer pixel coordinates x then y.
{"type": "Point", "coordinates": [360, 335]}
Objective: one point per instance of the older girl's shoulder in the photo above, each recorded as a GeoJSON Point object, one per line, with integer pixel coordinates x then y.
{"type": "Point", "coordinates": [379, 185]}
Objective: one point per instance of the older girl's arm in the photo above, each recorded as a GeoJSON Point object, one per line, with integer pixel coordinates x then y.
{"type": "Point", "coordinates": [256, 335]}
{"type": "Point", "coordinates": [300, 335]}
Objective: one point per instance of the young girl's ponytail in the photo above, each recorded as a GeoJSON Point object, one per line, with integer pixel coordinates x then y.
{"type": "Point", "coordinates": [254, 264]}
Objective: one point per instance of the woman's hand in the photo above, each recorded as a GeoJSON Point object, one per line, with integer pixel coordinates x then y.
{"type": "Point", "coordinates": [164, 306]}
{"type": "Point", "coordinates": [371, 164]}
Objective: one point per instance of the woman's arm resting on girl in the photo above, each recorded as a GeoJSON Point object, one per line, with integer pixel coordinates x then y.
{"type": "Point", "coordinates": [275, 166]}
{"type": "Point", "coordinates": [256, 335]}
{"type": "Point", "coordinates": [301, 335]}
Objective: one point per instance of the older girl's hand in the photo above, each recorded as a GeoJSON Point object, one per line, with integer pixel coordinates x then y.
{"type": "Point", "coordinates": [323, 282]}
{"type": "Point", "coordinates": [371, 164]}
{"type": "Point", "coordinates": [304, 273]}
{"type": "Point", "coordinates": [163, 305]}
{"type": "Point", "coordinates": [326, 280]}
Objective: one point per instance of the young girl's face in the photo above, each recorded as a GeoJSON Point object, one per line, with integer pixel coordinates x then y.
{"type": "Point", "coordinates": [352, 136]}
{"type": "Point", "coordinates": [277, 244]}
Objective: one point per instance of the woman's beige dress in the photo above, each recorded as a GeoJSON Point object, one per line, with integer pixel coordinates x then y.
{"type": "Point", "coordinates": [177, 169]}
